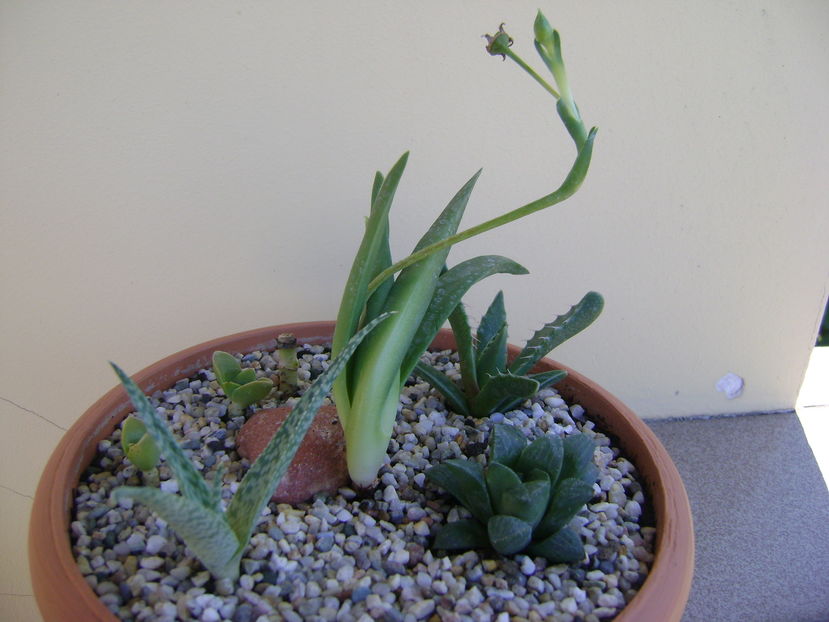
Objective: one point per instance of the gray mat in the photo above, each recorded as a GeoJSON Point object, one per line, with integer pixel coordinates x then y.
{"type": "Point", "coordinates": [761, 518]}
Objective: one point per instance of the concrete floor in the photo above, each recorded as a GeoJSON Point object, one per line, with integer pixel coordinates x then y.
{"type": "Point", "coordinates": [760, 505]}
{"type": "Point", "coordinates": [761, 518]}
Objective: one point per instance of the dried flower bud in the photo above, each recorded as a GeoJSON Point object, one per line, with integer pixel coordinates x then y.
{"type": "Point", "coordinates": [498, 43]}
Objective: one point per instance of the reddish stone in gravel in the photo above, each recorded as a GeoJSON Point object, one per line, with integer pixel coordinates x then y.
{"type": "Point", "coordinates": [318, 466]}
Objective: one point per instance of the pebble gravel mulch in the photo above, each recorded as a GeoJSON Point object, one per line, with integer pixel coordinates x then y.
{"type": "Point", "coordinates": [350, 557]}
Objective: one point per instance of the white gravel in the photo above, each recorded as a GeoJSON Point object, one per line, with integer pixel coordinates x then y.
{"type": "Point", "coordinates": [348, 558]}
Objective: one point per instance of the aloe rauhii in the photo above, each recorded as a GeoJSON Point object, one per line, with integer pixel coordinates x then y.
{"type": "Point", "coordinates": [525, 498]}
{"type": "Point", "coordinates": [218, 537]}
{"type": "Point", "coordinates": [425, 293]}
{"type": "Point", "coordinates": [488, 383]}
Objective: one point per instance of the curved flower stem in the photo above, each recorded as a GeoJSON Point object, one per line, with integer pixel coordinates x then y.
{"type": "Point", "coordinates": [567, 189]}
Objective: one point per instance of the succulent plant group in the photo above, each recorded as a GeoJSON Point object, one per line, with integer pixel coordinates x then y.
{"type": "Point", "coordinates": [524, 499]}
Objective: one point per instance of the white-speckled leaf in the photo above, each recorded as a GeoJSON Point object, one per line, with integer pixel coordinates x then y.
{"type": "Point", "coordinates": [204, 531]}
{"type": "Point", "coordinates": [190, 481]}
{"type": "Point", "coordinates": [554, 333]}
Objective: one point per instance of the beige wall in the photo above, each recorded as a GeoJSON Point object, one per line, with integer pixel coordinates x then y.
{"type": "Point", "coordinates": [175, 171]}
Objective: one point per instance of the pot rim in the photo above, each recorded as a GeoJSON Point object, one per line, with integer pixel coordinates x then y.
{"type": "Point", "coordinates": [63, 594]}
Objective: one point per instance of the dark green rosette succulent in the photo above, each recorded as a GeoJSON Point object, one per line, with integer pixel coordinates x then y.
{"type": "Point", "coordinates": [526, 497]}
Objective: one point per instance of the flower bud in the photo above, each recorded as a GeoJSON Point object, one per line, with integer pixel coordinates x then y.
{"type": "Point", "coordinates": [499, 43]}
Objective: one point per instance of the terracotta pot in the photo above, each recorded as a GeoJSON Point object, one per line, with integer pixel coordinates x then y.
{"type": "Point", "coordinates": [62, 594]}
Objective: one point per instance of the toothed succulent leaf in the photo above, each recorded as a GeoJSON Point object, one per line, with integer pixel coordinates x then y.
{"type": "Point", "coordinates": [464, 480]}
{"type": "Point", "coordinates": [567, 499]}
{"type": "Point", "coordinates": [577, 461]}
{"type": "Point", "coordinates": [499, 480]}
{"type": "Point", "coordinates": [507, 534]}
{"type": "Point", "coordinates": [506, 444]}
{"type": "Point", "coordinates": [545, 453]}
{"type": "Point", "coordinates": [527, 501]}
{"type": "Point", "coordinates": [563, 547]}
{"type": "Point", "coordinates": [462, 534]}
{"type": "Point", "coordinates": [501, 392]}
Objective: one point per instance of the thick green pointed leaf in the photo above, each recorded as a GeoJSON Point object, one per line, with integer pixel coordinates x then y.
{"type": "Point", "coordinates": [492, 322]}
{"type": "Point", "coordinates": [506, 442]}
{"type": "Point", "coordinates": [527, 501]}
{"type": "Point", "coordinates": [543, 379]}
{"type": "Point", "coordinates": [377, 299]}
{"type": "Point", "coordinates": [563, 547]}
{"type": "Point", "coordinates": [452, 394]}
{"type": "Point", "coordinates": [578, 457]}
{"type": "Point", "coordinates": [500, 479]}
{"type": "Point", "coordinates": [459, 322]}
{"type": "Point", "coordinates": [502, 393]}
{"type": "Point", "coordinates": [252, 392]}
{"type": "Point", "coordinates": [451, 287]}
{"type": "Point", "coordinates": [355, 294]}
{"type": "Point", "coordinates": [464, 480]}
{"type": "Point", "coordinates": [508, 535]}
{"type": "Point", "coordinates": [545, 453]}
{"type": "Point", "coordinates": [225, 366]}
{"type": "Point", "coordinates": [189, 479]}
{"type": "Point", "coordinates": [375, 186]}
{"type": "Point", "coordinates": [245, 375]}
{"type": "Point", "coordinates": [579, 317]}
{"type": "Point", "coordinates": [492, 359]}
{"type": "Point", "coordinates": [547, 378]}
{"type": "Point", "coordinates": [261, 480]}
{"type": "Point", "coordinates": [462, 534]}
{"type": "Point", "coordinates": [374, 401]}
{"type": "Point", "coordinates": [205, 532]}
{"type": "Point", "coordinates": [539, 493]}
{"type": "Point", "coordinates": [568, 497]}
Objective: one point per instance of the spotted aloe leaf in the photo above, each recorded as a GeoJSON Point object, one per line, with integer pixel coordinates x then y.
{"type": "Point", "coordinates": [189, 479]}
{"type": "Point", "coordinates": [205, 532]}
